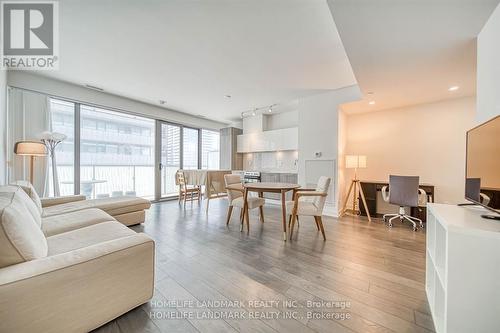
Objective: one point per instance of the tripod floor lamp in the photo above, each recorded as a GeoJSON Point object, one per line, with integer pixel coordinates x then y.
{"type": "Point", "coordinates": [355, 162]}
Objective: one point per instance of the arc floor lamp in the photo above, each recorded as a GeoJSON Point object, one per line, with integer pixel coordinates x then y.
{"type": "Point", "coordinates": [355, 162]}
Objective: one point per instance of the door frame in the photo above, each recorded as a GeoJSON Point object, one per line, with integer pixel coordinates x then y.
{"type": "Point", "coordinates": [158, 152]}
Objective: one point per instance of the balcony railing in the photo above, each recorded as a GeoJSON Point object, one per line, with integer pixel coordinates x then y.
{"type": "Point", "coordinates": [106, 179]}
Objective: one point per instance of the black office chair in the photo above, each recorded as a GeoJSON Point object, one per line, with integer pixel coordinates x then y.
{"type": "Point", "coordinates": [404, 192]}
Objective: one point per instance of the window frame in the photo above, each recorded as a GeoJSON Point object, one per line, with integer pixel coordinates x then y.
{"type": "Point", "coordinates": [77, 122]}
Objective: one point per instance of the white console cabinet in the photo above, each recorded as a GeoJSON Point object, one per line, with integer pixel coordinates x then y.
{"type": "Point", "coordinates": [463, 269]}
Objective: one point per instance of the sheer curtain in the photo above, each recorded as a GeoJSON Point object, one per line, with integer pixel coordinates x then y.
{"type": "Point", "coordinates": [28, 116]}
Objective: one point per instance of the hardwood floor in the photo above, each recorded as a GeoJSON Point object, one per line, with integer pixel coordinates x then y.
{"type": "Point", "coordinates": [375, 274]}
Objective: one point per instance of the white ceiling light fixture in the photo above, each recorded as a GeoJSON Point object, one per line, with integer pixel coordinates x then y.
{"type": "Point", "coordinates": [453, 88]}
{"type": "Point", "coordinates": [259, 110]}
{"type": "Point", "coordinates": [371, 102]}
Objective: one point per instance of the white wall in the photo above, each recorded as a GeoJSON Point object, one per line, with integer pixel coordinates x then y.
{"type": "Point", "coordinates": [342, 146]}
{"type": "Point", "coordinates": [488, 69]}
{"type": "Point", "coordinates": [3, 126]}
{"type": "Point", "coordinates": [425, 140]}
{"type": "Point", "coordinates": [281, 120]}
{"type": "Point", "coordinates": [318, 132]}
{"type": "Point", "coordinates": [75, 92]}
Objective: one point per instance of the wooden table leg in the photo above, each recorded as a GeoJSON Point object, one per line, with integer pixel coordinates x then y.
{"type": "Point", "coordinates": [245, 209]}
{"type": "Point", "coordinates": [261, 208]}
{"type": "Point", "coordinates": [283, 209]}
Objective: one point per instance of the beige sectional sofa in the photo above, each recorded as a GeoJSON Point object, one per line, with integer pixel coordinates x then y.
{"type": "Point", "coordinates": [70, 272]}
{"type": "Point", "coordinates": [127, 210]}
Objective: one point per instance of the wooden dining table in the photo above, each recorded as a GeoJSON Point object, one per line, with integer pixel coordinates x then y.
{"type": "Point", "coordinates": [261, 188]}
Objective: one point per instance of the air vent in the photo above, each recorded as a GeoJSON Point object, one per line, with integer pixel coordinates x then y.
{"type": "Point", "coordinates": [93, 87]}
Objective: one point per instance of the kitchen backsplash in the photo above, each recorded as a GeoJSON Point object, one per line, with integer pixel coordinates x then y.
{"type": "Point", "coordinates": [281, 161]}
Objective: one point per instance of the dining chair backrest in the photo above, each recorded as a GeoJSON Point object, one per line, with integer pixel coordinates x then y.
{"type": "Point", "coordinates": [230, 179]}
{"type": "Point", "coordinates": [181, 180]}
{"type": "Point", "coordinates": [322, 187]}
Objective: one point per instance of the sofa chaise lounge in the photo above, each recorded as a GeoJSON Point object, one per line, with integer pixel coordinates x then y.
{"type": "Point", "coordinates": [127, 209]}
{"type": "Point", "coordinates": [60, 276]}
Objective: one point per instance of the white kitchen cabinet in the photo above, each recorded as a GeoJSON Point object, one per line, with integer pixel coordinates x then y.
{"type": "Point", "coordinates": [275, 140]}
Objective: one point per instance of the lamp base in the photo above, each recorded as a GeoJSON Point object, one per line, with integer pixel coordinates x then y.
{"type": "Point", "coordinates": [356, 183]}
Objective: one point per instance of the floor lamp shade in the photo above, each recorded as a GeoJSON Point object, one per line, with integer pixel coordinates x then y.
{"type": "Point", "coordinates": [355, 161]}
{"type": "Point", "coordinates": [32, 149]}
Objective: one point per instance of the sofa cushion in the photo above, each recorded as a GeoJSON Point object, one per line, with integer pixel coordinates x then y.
{"type": "Point", "coordinates": [87, 236]}
{"type": "Point", "coordinates": [112, 206]}
{"type": "Point", "coordinates": [26, 201]}
{"type": "Point", "coordinates": [57, 224]}
{"type": "Point", "coordinates": [31, 192]}
{"type": "Point", "coordinates": [21, 238]}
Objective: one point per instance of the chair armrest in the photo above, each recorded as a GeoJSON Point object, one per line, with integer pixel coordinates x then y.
{"type": "Point", "coordinates": [47, 202]}
{"type": "Point", "coordinates": [385, 194]}
{"type": "Point", "coordinates": [295, 190]}
{"type": "Point", "coordinates": [77, 290]}
{"type": "Point", "coordinates": [311, 194]}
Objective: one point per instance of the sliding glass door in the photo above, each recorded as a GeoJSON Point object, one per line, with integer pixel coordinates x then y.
{"type": "Point", "coordinates": [190, 146]}
{"type": "Point", "coordinates": [170, 158]}
{"type": "Point", "coordinates": [210, 146]}
{"type": "Point", "coordinates": [116, 153]}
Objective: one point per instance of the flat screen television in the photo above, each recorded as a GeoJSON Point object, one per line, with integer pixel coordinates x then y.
{"type": "Point", "coordinates": [482, 169]}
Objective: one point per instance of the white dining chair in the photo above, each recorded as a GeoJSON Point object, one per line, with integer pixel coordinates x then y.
{"type": "Point", "coordinates": [309, 202]}
{"type": "Point", "coordinates": [235, 198]}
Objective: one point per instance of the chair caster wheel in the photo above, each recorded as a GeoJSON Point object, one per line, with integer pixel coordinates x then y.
{"type": "Point", "coordinates": [390, 225]}
{"type": "Point", "coordinates": [415, 229]}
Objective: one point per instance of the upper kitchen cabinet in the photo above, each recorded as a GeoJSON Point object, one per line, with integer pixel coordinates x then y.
{"type": "Point", "coordinates": [274, 140]}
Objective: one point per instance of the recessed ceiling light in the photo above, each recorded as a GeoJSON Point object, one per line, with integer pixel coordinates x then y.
{"type": "Point", "coordinates": [227, 96]}
{"type": "Point", "coordinates": [162, 102]}
{"type": "Point", "coordinates": [453, 88]}
{"type": "Point", "coordinates": [371, 102]}
{"type": "Point", "coordinates": [253, 113]}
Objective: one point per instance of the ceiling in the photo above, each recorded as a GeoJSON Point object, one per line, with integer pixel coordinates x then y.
{"type": "Point", "coordinates": [410, 51]}
{"type": "Point", "coordinates": [193, 53]}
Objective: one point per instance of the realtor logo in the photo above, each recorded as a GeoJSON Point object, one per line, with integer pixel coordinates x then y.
{"type": "Point", "coordinates": [30, 35]}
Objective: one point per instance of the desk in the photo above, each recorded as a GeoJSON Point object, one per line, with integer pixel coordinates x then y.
{"type": "Point", "coordinates": [370, 189]}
